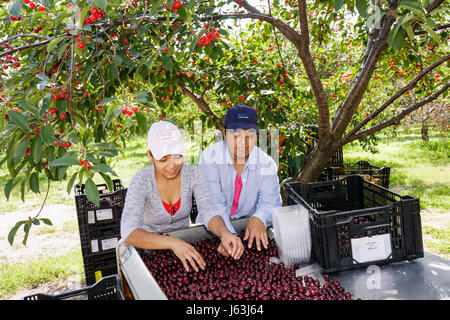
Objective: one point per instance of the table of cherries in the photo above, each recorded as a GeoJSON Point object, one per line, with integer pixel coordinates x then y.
{"type": "Point", "coordinates": [252, 277]}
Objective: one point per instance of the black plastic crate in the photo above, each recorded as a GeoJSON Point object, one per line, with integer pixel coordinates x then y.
{"type": "Point", "coordinates": [107, 288]}
{"type": "Point", "coordinates": [98, 266]}
{"type": "Point", "coordinates": [377, 175]}
{"type": "Point", "coordinates": [99, 240]}
{"type": "Point", "coordinates": [345, 210]}
{"type": "Point", "coordinates": [99, 228]}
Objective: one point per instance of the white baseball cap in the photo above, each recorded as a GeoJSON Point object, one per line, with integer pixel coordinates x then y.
{"type": "Point", "coordinates": [164, 138]}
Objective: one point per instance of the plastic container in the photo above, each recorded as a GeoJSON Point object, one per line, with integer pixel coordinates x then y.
{"type": "Point", "coordinates": [377, 175]}
{"type": "Point", "coordinates": [355, 223]}
{"type": "Point", "coordinates": [292, 234]}
{"type": "Point", "coordinates": [108, 288]}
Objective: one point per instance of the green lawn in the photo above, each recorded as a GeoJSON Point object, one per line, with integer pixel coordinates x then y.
{"type": "Point", "coordinates": [419, 168]}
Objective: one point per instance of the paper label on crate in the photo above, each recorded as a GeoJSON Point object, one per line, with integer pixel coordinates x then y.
{"type": "Point", "coordinates": [373, 248]}
{"type": "Point", "coordinates": [91, 216]}
{"type": "Point", "coordinates": [109, 243]}
{"type": "Point", "coordinates": [94, 245]}
{"type": "Point", "coordinates": [104, 214]}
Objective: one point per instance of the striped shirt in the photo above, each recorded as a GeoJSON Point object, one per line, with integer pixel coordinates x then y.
{"type": "Point", "coordinates": [144, 208]}
{"type": "Point", "coordinates": [260, 185]}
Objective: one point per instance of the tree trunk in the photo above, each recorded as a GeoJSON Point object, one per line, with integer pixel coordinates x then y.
{"type": "Point", "coordinates": [425, 131]}
{"type": "Point", "coordinates": [316, 161]}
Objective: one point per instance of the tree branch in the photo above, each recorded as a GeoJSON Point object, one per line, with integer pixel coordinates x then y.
{"type": "Point", "coordinates": [345, 112]}
{"type": "Point", "coordinates": [400, 92]}
{"type": "Point", "coordinates": [313, 76]}
{"type": "Point", "coordinates": [442, 27]}
{"type": "Point", "coordinates": [22, 36]}
{"type": "Point", "coordinates": [203, 105]}
{"type": "Point", "coordinates": [301, 42]}
{"type": "Point", "coordinates": [397, 118]}
{"type": "Point", "coordinates": [29, 46]}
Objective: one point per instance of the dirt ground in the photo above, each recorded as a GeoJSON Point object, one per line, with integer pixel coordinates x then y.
{"type": "Point", "coordinates": [60, 240]}
{"type": "Point", "coordinates": [56, 240]}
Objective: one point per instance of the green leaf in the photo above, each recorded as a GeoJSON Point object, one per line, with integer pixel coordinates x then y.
{"type": "Point", "coordinates": [101, 3]}
{"type": "Point", "coordinates": [34, 182]}
{"type": "Point", "coordinates": [155, 6]}
{"type": "Point", "coordinates": [142, 122]}
{"type": "Point", "coordinates": [106, 100]}
{"type": "Point", "coordinates": [8, 188]}
{"type": "Point", "coordinates": [102, 167]}
{"type": "Point", "coordinates": [338, 4]}
{"type": "Point", "coordinates": [46, 221]}
{"type": "Point", "coordinates": [64, 162]}
{"type": "Point", "coordinates": [26, 229]}
{"type": "Point", "coordinates": [108, 181]}
{"type": "Point", "coordinates": [47, 135]}
{"type": "Point", "coordinates": [20, 151]}
{"type": "Point", "coordinates": [396, 37]}
{"type": "Point", "coordinates": [82, 17]}
{"type": "Point", "coordinates": [167, 63]}
{"type": "Point", "coordinates": [53, 43]}
{"type": "Point", "coordinates": [71, 182]}
{"type": "Point", "coordinates": [30, 108]}
{"type": "Point", "coordinates": [18, 119]}
{"type": "Point", "coordinates": [36, 149]}
{"type": "Point", "coordinates": [13, 231]}
{"type": "Point", "coordinates": [361, 5]}
{"type": "Point", "coordinates": [185, 15]}
{"type": "Point", "coordinates": [92, 193]}
{"type": "Point", "coordinates": [110, 114]}
{"type": "Point", "coordinates": [15, 8]}
{"type": "Point", "coordinates": [432, 33]}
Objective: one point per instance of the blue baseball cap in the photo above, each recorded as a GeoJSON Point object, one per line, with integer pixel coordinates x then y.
{"type": "Point", "coordinates": [241, 117]}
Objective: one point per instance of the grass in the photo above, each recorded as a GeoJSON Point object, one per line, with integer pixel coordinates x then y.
{"type": "Point", "coordinates": [417, 167]}
{"type": "Point", "coordinates": [34, 272]}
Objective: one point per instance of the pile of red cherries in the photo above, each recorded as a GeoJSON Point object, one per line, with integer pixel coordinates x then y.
{"type": "Point", "coordinates": [252, 277]}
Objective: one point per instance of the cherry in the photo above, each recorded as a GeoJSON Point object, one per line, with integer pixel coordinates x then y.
{"type": "Point", "coordinates": [253, 277]}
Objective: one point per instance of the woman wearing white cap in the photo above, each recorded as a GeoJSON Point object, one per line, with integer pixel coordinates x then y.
{"type": "Point", "coordinates": [159, 200]}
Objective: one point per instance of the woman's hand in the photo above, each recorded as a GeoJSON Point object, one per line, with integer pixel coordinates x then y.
{"type": "Point", "coordinates": [231, 245]}
{"type": "Point", "coordinates": [187, 254]}
{"type": "Point", "coordinates": [256, 230]}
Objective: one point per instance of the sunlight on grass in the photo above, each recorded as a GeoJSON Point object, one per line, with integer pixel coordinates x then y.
{"type": "Point", "coordinates": [34, 272]}
{"type": "Point", "coordinates": [418, 167]}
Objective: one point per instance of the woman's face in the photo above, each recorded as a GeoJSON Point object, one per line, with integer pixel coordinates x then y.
{"type": "Point", "coordinates": [240, 143]}
{"type": "Point", "coordinates": [168, 166]}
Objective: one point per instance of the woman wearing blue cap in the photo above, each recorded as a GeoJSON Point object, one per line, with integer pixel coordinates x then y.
{"type": "Point", "coordinates": [242, 178]}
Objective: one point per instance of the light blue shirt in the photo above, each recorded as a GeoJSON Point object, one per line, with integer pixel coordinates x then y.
{"type": "Point", "coordinates": [260, 191]}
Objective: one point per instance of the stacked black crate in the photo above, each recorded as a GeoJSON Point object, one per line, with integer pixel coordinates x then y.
{"type": "Point", "coordinates": [100, 230]}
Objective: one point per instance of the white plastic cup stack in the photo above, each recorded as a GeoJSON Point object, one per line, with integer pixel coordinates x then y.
{"type": "Point", "coordinates": [292, 234]}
